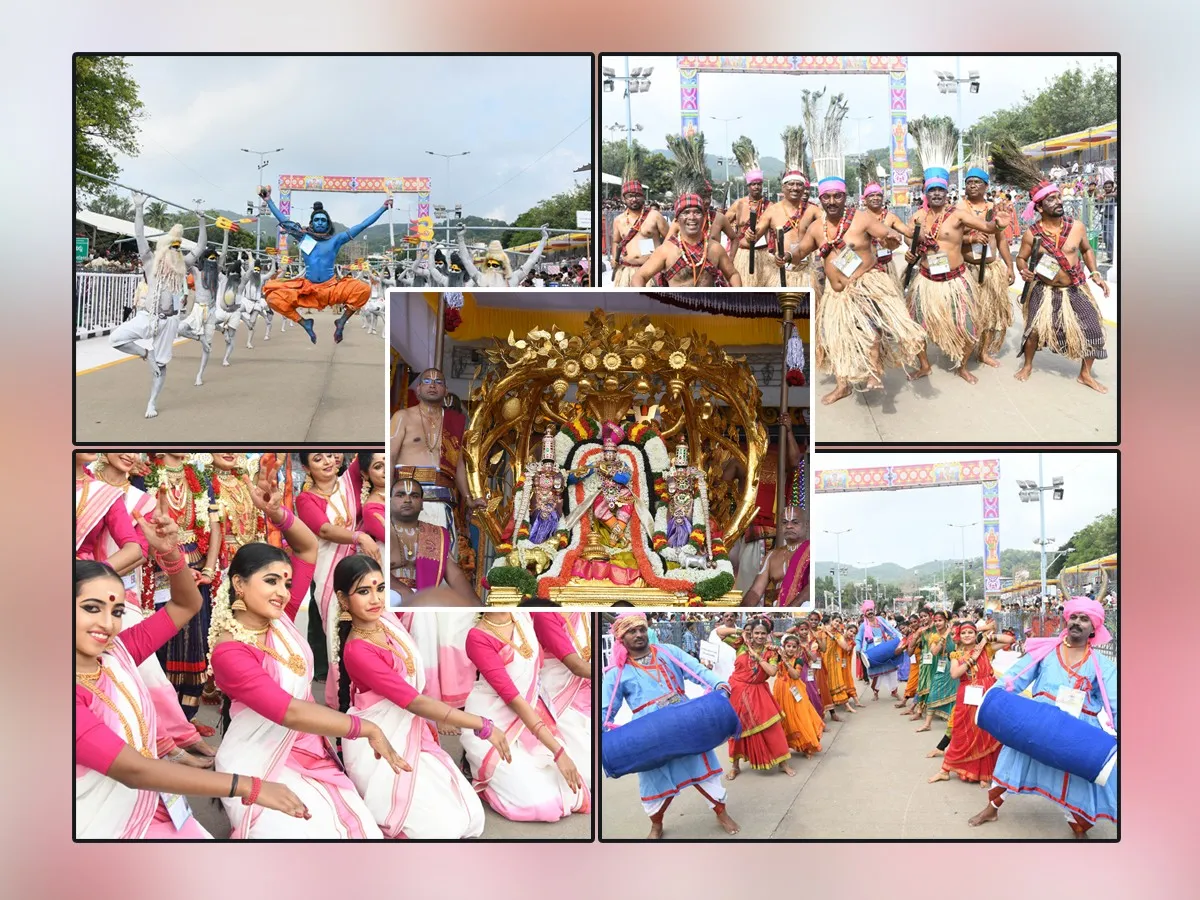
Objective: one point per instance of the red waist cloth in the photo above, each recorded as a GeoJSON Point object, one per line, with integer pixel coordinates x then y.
{"type": "Point", "coordinates": [949, 276]}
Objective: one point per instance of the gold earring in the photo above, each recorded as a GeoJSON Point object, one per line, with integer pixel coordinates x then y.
{"type": "Point", "coordinates": [238, 605]}
{"type": "Point", "coordinates": [344, 615]}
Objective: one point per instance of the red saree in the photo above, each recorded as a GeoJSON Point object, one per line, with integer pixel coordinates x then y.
{"type": "Point", "coordinates": [972, 752]}
{"type": "Point", "coordinates": [762, 742]}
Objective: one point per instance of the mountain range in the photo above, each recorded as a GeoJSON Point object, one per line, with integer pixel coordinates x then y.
{"type": "Point", "coordinates": [1010, 562]}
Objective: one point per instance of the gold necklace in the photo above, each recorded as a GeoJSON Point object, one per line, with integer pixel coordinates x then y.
{"type": "Point", "coordinates": [83, 496]}
{"type": "Point", "coordinates": [410, 666]}
{"type": "Point", "coordinates": [295, 661]}
{"type": "Point", "coordinates": [525, 650]}
{"type": "Point", "coordinates": [436, 439]}
{"type": "Point", "coordinates": [239, 507]}
{"type": "Point", "coordinates": [584, 649]}
{"type": "Point", "coordinates": [91, 683]}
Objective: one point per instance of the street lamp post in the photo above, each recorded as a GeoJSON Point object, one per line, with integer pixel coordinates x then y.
{"type": "Point", "coordinates": [636, 82]}
{"type": "Point", "coordinates": [262, 164]}
{"type": "Point", "coordinates": [963, 534]}
{"type": "Point", "coordinates": [1031, 491]}
{"type": "Point", "coordinates": [726, 149]}
{"type": "Point", "coordinates": [838, 537]}
{"type": "Point", "coordinates": [948, 83]}
{"type": "Point", "coordinates": [447, 157]}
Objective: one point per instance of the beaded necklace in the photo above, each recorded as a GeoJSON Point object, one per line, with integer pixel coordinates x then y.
{"type": "Point", "coordinates": [525, 650]}
{"type": "Point", "coordinates": [836, 242]}
{"type": "Point", "coordinates": [295, 661]}
{"type": "Point", "coordinates": [387, 643]}
{"type": "Point", "coordinates": [91, 682]}
{"type": "Point", "coordinates": [584, 648]}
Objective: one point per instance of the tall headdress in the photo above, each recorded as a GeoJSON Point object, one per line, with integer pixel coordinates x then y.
{"type": "Point", "coordinates": [690, 172]}
{"type": "Point", "coordinates": [793, 154]}
{"type": "Point", "coordinates": [612, 434]}
{"type": "Point", "coordinates": [496, 258]}
{"type": "Point", "coordinates": [629, 179]}
{"type": "Point", "coordinates": [977, 162]}
{"type": "Point", "coordinates": [935, 142]}
{"type": "Point", "coordinates": [548, 444]}
{"type": "Point", "coordinates": [747, 157]}
{"type": "Point", "coordinates": [1014, 167]}
{"type": "Point", "coordinates": [825, 135]}
{"type": "Point", "coordinates": [869, 187]}
{"type": "Point", "coordinates": [681, 453]}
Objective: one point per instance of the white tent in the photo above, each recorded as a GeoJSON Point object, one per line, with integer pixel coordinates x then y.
{"type": "Point", "coordinates": [113, 225]}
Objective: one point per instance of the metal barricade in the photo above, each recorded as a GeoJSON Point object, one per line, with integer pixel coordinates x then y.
{"type": "Point", "coordinates": [101, 299]}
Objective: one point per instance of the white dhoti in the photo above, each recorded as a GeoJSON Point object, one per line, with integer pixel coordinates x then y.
{"type": "Point", "coordinates": [713, 793]}
{"type": "Point", "coordinates": [750, 561]}
{"type": "Point", "coordinates": [142, 327]}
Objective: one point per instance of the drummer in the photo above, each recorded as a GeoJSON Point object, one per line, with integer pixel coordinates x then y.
{"type": "Point", "coordinates": [648, 678]}
{"type": "Point", "coordinates": [1067, 671]}
{"type": "Point", "coordinates": [875, 631]}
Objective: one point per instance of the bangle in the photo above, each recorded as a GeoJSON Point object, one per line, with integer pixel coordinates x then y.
{"type": "Point", "coordinates": [559, 752]}
{"type": "Point", "coordinates": [1094, 275]}
{"type": "Point", "coordinates": [540, 724]}
{"type": "Point", "coordinates": [171, 567]}
{"type": "Point", "coordinates": [233, 787]}
{"type": "Point", "coordinates": [289, 519]}
{"type": "Point", "coordinates": [255, 789]}
{"type": "Point", "coordinates": [485, 731]}
{"type": "Point", "coordinates": [355, 728]}
{"type": "Point", "coordinates": [207, 570]}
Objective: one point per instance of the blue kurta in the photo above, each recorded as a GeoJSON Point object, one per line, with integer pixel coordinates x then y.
{"type": "Point", "coordinates": [1022, 774]}
{"type": "Point", "coordinates": [881, 631]}
{"type": "Point", "coordinates": [638, 689]}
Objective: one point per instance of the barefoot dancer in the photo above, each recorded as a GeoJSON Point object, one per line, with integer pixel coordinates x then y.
{"type": "Point", "coordinates": [942, 299]}
{"type": "Point", "coordinates": [801, 721]}
{"type": "Point", "coordinates": [937, 687]}
{"type": "Point", "coordinates": [795, 215]}
{"type": "Point", "coordinates": [988, 251]}
{"type": "Point", "coordinates": [649, 678]}
{"type": "Point", "coordinates": [320, 288]}
{"type": "Point", "coordinates": [762, 742]}
{"type": "Point", "coordinates": [637, 233]}
{"type": "Point", "coordinates": [746, 216]}
{"type": "Point", "coordinates": [1062, 314]}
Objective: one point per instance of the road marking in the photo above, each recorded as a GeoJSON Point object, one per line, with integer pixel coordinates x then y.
{"type": "Point", "coordinates": [114, 362]}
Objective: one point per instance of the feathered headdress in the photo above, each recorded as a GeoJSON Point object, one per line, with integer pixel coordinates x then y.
{"type": "Point", "coordinates": [630, 178]}
{"type": "Point", "coordinates": [825, 134]}
{"type": "Point", "coordinates": [977, 162]}
{"type": "Point", "coordinates": [793, 154]}
{"type": "Point", "coordinates": [690, 171]}
{"type": "Point", "coordinates": [868, 185]}
{"type": "Point", "coordinates": [935, 143]}
{"type": "Point", "coordinates": [747, 157]}
{"type": "Point", "coordinates": [1014, 167]}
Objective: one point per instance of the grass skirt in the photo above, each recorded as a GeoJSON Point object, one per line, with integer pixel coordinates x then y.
{"type": "Point", "coordinates": [766, 273]}
{"type": "Point", "coordinates": [948, 311]}
{"type": "Point", "coordinates": [1069, 324]}
{"type": "Point", "coordinates": [803, 277]}
{"type": "Point", "coordinates": [623, 277]}
{"type": "Point", "coordinates": [995, 306]}
{"type": "Point", "coordinates": [849, 321]}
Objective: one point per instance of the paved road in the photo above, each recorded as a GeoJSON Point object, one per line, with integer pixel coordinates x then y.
{"type": "Point", "coordinates": [285, 389]}
{"type": "Point", "coordinates": [1051, 406]}
{"type": "Point", "coordinates": [212, 816]}
{"type": "Point", "coordinates": [869, 781]}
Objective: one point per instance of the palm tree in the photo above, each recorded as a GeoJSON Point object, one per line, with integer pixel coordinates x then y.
{"type": "Point", "coordinates": [156, 215]}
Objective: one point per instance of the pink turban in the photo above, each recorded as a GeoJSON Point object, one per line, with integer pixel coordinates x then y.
{"type": "Point", "coordinates": [622, 624]}
{"type": "Point", "coordinates": [613, 432]}
{"type": "Point", "coordinates": [872, 188]}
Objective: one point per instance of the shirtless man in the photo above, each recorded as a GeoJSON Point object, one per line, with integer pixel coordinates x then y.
{"type": "Point", "coordinates": [689, 258]}
{"type": "Point", "coordinates": [875, 203]}
{"type": "Point", "coordinates": [862, 304]}
{"type": "Point", "coordinates": [995, 306]}
{"type": "Point", "coordinates": [426, 442]}
{"type": "Point", "coordinates": [942, 298]}
{"type": "Point", "coordinates": [752, 207]}
{"type": "Point", "coordinates": [636, 234]}
{"type": "Point", "coordinates": [775, 568]}
{"type": "Point", "coordinates": [1059, 279]}
{"type": "Point", "coordinates": [419, 552]}
{"type": "Point", "coordinates": [795, 215]}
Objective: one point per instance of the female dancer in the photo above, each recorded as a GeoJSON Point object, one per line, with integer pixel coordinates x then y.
{"type": "Point", "coordinates": [762, 742]}
{"type": "Point", "coordinates": [942, 686]}
{"type": "Point", "coordinates": [330, 505]}
{"type": "Point", "coordinates": [263, 665]}
{"type": "Point", "coordinates": [567, 670]}
{"type": "Point", "coordinates": [175, 733]}
{"type": "Point", "coordinates": [800, 720]}
{"type": "Point", "coordinates": [374, 498]}
{"type": "Point", "coordinates": [384, 683]}
{"type": "Point", "coordinates": [541, 783]}
{"type": "Point", "coordinates": [118, 777]}
{"type": "Point", "coordinates": [100, 514]}
{"type": "Point", "coordinates": [241, 523]}
{"type": "Point", "coordinates": [971, 753]}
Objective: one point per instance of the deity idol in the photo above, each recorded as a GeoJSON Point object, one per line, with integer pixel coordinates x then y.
{"type": "Point", "coordinates": [685, 485]}
{"type": "Point", "coordinates": [609, 501]}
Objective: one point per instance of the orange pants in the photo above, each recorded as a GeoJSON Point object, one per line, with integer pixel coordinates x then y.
{"type": "Point", "coordinates": [285, 296]}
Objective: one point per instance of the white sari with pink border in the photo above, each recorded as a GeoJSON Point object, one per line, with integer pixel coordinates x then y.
{"type": "Point", "coordinates": [344, 502]}
{"type": "Point", "coordinates": [105, 808]}
{"type": "Point", "coordinates": [256, 746]}
{"type": "Point", "coordinates": [569, 695]}
{"type": "Point", "coordinates": [530, 788]}
{"type": "Point", "coordinates": [433, 801]}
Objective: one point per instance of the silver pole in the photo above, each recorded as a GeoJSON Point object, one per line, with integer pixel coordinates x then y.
{"type": "Point", "coordinates": [958, 123]}
{"type": "Point", "coordinates": [1042, 510]}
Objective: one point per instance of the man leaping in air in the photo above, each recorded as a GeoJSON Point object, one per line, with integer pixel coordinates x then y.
{"type": "Point", "coordinates": [320, 288]}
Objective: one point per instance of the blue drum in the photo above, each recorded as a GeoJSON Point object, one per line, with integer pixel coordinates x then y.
{"type": "Point", "coordinates": [1049, 735]}
{"type": "Point", "coordinates": [686, 728]}
{"type": "Point", "coordinates": [882, 654]}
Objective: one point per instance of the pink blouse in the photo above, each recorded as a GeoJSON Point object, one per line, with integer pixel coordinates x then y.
{"type": "Point", "coordinates": [312, 508]}
{"type": "Point", "coordinates": [372, 668]}
{"type": "Point", "coordinates": [374, 516]}
{"type": "Point", "coordinates": [483, 650]}
{"type": "Point", "coordinates": [238, 671]}
{"type": "Point", "coordinates": [551, 631]}
{"type": "Point", "coordinates": [118, 523]}
{"type": "Point", "coordinates": [302, 578]}
{"type": "Point", "coordinates": [97, 745]}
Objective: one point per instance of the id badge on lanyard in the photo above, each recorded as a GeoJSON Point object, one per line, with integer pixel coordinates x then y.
{"type": "Point", "coordinates": [668, 700]}
{"type": "Point", "coordinates": [307, 244]}
{"type": "Point", "coordinates": [797, 695]}
{"type": "Point", "coordinates": [1070, 701]}
{"type": "Point", "coordinates": [847, 262]}
{"type": "Point", "coordinates": [977, 250]}
{"type": "Point", "coordinates": [939, 263]}
{"type": "Point", "coordinates": [177, 808]}
{"type": "Point", "coordinates": [816, 664]}
{"type": "Point", "coordinates": [941, 666]}
{"type": "Point", "coordinates": [1048, 267]}
{"type": "Point", "coordinates": [926, 658]}
{"type": "Point", "coordinates": [882, 251]}
{"type": "Point", "coordinates": [645, 246]}
{"type": "Point", "coordinates": [973, 695]}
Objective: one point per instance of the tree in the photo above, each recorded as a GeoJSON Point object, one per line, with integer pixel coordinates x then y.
{"type": "Point", "coordinates": [157, 215]}
{"type": "Point", "coordinates": [1071, 101]}
{"type": "Point", "coordinates": [557, 212]}
{"type": "Point", "coordinates": [110, 204]}
{"type": "Point", "coordinates": [655, 173]}
{"type": "Point", "coordinates": [1093, 541]}
{"type": "Point", "coordinates": [107, 108]}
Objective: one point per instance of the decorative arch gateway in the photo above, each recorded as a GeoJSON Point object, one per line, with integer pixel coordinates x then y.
{"type": "Point", "coordinates": [894, 67]}
{"type": "Point", "coordinates": [984, 472]}
{"type": "Point", "coordinates": [349, 184]}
